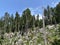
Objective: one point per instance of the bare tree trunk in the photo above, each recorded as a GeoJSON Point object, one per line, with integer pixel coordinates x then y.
{"type": "Point", "coordinates": [44, 31]}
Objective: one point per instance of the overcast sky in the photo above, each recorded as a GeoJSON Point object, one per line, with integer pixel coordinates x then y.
{"type": "Point", "coordinates": [11, 6]}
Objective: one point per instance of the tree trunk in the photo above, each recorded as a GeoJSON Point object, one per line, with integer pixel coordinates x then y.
{"type": "Point", "coordinates": [44, 31]}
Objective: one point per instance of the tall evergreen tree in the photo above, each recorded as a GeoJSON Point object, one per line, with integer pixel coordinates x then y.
{"type": "Point", "coordinates": [17, 21]}
{"type": "Point", "coordinates": [57, 13]}
{"type": "Point", "coordinates": [6, 22]}
{"type": "Point", "coordinates": [26, 18]}
{"type": "Point", "coordinates": [37, 21]}
{"type": "Point", "coordinates": [12, 23]}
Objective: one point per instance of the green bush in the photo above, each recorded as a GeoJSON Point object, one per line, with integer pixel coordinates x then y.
{"type": "Point", "coordinates": [56, 42]}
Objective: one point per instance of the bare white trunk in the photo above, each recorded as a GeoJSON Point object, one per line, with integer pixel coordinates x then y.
{"type": "Point", "coordinates": [44, 31]}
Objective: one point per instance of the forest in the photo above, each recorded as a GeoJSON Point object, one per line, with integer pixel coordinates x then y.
{"type": "Point", "coordinates": [25, 29]}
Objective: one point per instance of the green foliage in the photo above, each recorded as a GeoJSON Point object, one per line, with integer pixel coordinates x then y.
{"type": "Point", "coordinates": [57, 12]}
{"type": "Point", "coordinates": [56, 42]}
{"type": "Point", "coordinates": [40, 24]}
